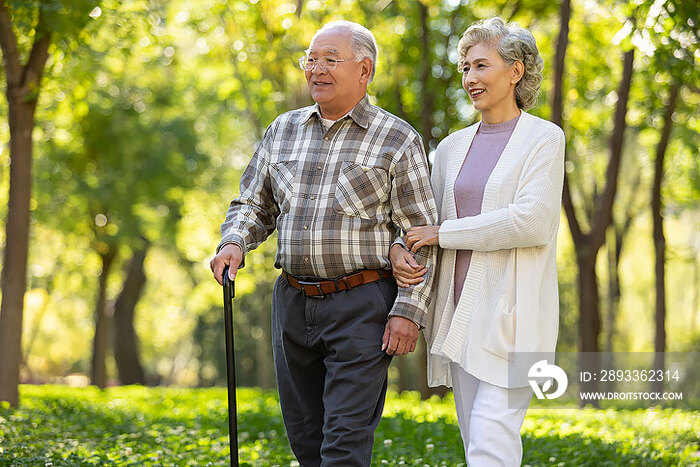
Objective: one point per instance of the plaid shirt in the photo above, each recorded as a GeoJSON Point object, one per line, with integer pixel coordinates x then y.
{"type": "Point", "coordinates": [337, 198]}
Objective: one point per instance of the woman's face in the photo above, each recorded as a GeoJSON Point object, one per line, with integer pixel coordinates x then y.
{"type": "Point", "coordinates": [488, 79]}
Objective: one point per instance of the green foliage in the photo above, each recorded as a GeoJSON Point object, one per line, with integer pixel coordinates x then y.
{"type": "Point", "coordinates": [128, 122]}
{"type": "Point", "coordinates": [65, 20]}
{"type": "Point", "coordinates": [157, 426]}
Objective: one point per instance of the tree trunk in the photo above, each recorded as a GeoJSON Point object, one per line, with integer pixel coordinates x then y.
{"type": "Point", "coordinates": [99, 345]}
{"type": "Point", "coordinates": [14, 272]}
{"type": "Point", "coordinates": [589, 322]}
{"type": "Point", "coordinates": [23, 84]}
{"type": "Point", "coordinates": [660, 242]}
{"type": "Point", "coordinates": [126, 354]}
{"type": "Point", "coordinates": [602, 215]}
{"type": "Point", "coordinates": [589, 318]}
{"type": "Point", "coordinates": [614, 245]}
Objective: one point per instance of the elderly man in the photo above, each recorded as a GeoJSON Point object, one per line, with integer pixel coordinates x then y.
{"type": "Point", "coordinates": [338, 180]}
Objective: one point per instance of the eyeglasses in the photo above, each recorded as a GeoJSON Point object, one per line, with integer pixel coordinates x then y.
{"type": "Point", "coordinates": [307, 63]}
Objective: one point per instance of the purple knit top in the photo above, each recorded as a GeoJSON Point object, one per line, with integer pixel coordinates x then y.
{"type": "Point", "coordinates": [484, 152]}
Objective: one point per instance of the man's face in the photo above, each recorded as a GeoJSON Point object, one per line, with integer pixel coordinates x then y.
{"type": "Point", "coordinates": [337, 91]}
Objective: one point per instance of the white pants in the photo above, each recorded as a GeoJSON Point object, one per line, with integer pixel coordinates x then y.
{"type": "Point", "coordinates": [489, 418]}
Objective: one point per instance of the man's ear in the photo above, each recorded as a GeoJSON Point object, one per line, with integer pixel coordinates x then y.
{"type": "Point", "coordinates": [366, 70]}
{"type": "Point", "coordinates": [516, 72]}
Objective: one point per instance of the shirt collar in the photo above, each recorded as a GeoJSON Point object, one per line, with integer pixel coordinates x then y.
{"type": "Point", "coordinates": [360, 113]}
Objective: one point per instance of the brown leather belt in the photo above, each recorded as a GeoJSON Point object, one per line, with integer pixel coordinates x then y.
{"type": "Point", "coordinates": [322, 288]}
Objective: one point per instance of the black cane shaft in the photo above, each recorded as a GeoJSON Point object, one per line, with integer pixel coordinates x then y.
{"type": "Point", "coordinates": [229, 294]}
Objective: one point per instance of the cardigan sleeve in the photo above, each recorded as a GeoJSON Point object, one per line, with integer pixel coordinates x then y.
{"type": "Point", "coordinates": [531, 219]}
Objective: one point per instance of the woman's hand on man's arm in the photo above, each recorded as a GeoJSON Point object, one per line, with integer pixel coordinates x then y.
{"type": "Point", "coordinates": [406, 269]}
{"type": "Point", "coordinates": [424, 235]}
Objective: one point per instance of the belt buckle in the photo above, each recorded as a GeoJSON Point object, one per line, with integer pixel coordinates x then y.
{"type": "Point", "coordinates": [314, 284]}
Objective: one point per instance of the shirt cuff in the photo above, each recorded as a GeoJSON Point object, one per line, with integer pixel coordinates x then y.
{"type": "Point", "coordinates": [409, 311]}
{"type": "Point", "coordinates": [399, 241]}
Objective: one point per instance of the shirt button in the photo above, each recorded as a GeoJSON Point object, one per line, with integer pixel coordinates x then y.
{"type": "Point", "coordinates": [318, 168]}
{"type": "Point", "coordinates": [306, 227]}
{"type": "Point", "coordinates": [326, 138]}
{"type": "Point", "coordinates": [313, 197]}
{"type": "Point", "coordinates": [306, 259]}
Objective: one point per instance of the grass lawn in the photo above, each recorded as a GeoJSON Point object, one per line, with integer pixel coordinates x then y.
{"type": "Point", "coordinates": [136, 426]}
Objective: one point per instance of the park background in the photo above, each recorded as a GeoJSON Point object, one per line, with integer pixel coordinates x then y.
{"type": "Point", "coordinates": [148, 111]}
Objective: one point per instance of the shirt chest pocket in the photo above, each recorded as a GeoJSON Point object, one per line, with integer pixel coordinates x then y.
{"type": "Point", "coordinates": [282, 176]}
{"type": "Point", "coordinates": [360, 190]}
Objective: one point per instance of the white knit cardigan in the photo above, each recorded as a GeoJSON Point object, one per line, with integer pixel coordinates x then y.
{"type": "Point", "coordinates": [509, 304]}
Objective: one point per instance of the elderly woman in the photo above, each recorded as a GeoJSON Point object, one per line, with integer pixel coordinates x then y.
{"type": "Point", "coordinates": [498, 187]}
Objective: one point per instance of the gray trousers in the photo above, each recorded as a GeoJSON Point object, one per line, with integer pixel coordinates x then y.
{"type": "Point", "coordinates": [331, 372]}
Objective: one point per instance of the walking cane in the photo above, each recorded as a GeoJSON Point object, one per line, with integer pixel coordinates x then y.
{"type": "Point", "coordinates": [229, 293]}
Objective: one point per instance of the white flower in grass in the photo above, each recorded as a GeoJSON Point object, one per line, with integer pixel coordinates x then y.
{"type": "Point", "coordinates": [429, 447]}
{"type": "Point", "coordinates": [388, 443]}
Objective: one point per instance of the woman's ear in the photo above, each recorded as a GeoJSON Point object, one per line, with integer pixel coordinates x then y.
{"type": "Point", "coordinates": [516, 72]}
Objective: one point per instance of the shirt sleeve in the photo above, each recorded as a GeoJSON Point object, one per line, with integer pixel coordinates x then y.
{"type": "Point", "coordinates": [412, 205]}
{"type": "Point", "coordinates": [530, 220]}
{"type": "Point", "coordinates": [252, 216]}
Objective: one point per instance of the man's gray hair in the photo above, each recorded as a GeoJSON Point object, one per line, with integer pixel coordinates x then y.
{"type": "Point", "coordinates": [362, 42]}
{"type": "Point", "coordinates": [513, 43]}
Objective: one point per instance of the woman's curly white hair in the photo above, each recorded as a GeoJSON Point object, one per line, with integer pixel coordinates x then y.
{"type": "Point", "coordinates": [513, 43]}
